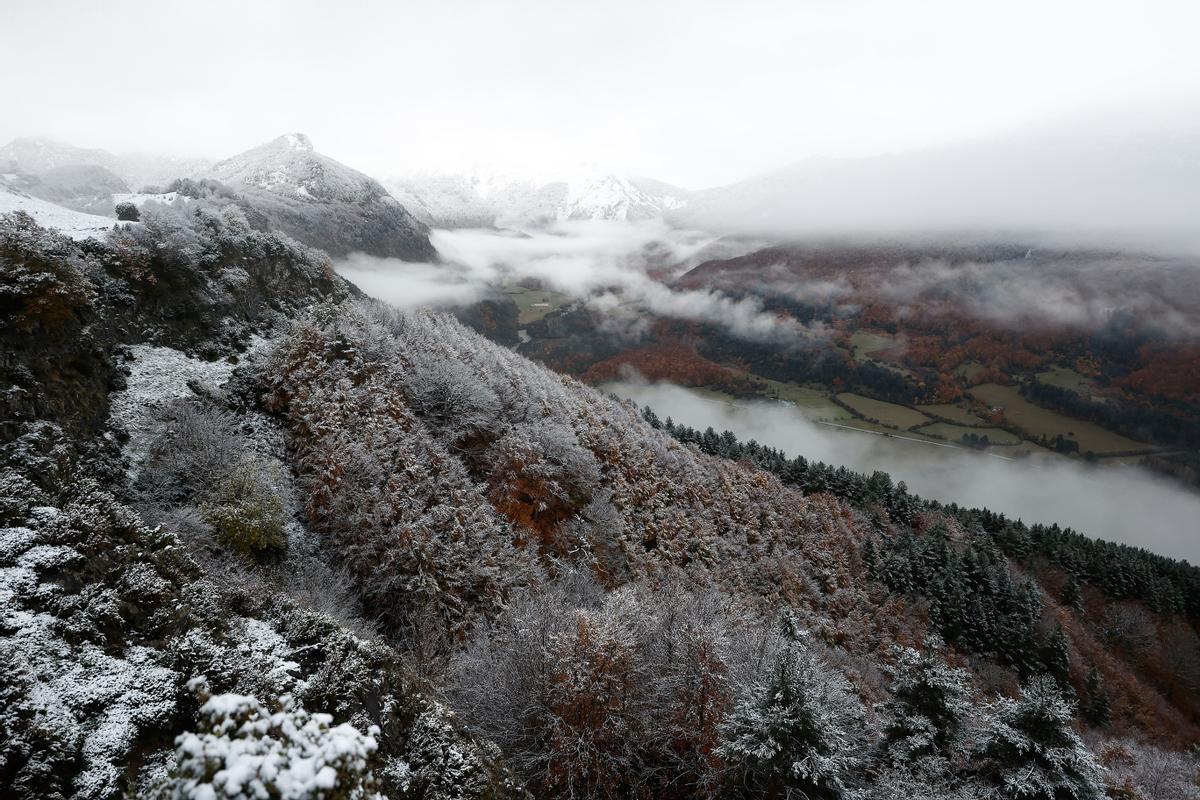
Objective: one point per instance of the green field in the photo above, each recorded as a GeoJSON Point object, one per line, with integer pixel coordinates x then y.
{"type": "Point", "coordinates": [886, 413]}
{"type": "Point", "coordinates": [863, 343]}
{"type": "Point", "coordinates": [1037, 421]}
{"type": "Point", "coordinates": [954, 433]}
{"type": "Point", "coordinates": [813, 403]}
{"type": "Point", "coordinates": [969, 369]}
{"type": "Point", "coordinates": [956, 414]}
{"type": "Point", "coordinates": [1071, 380]}
{"type": "Point", "coordinates": [534, 304]}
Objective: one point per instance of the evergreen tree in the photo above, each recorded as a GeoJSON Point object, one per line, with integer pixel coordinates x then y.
{"type": "Point", "coordinates": [1057, 657]}
{"type": "Point", "coordinates": [1097, 710]}
{"type": "Point", "coordinates": [927, 710]}
{"type": "Point", "coordinates": [799, 731]}
{"type": "Point", "coordinates": [1072, 596]}
{"type": "Point", "coordinates": [1030, 751]}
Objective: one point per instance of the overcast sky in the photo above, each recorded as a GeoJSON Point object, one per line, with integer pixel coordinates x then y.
{"type": "Point", "coordinates": [699, 93]}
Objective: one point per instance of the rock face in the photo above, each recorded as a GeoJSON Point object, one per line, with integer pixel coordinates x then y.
{"type": "Point", "coordinates": [322, 202]}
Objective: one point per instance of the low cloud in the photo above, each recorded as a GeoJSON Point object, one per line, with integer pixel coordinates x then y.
{"type": "Point", "coordinates": [1078, 292]}
{"type": "Point", "coordinates": [1126, 179]}
{"type": "Point", "coordinates": [1107, 502]}
{"type": "Point", "coordinates": [611, 265]}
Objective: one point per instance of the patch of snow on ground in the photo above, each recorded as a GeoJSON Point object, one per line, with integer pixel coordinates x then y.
{"type": "Point", "coordinates": [75, 224]}
{"type": "Point", "coordinates": [139, 199]}
{"type": "Point", "coordinates": [157, 376]}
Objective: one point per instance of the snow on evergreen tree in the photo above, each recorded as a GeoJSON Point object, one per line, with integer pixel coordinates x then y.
{"type": "Point", "coordinates": [928, 709]}
{"type": "Point", "coordinates": [1097, 710]}
{"type": "Point", "coordinates": [801, 729]}
{"type": "Point", "coordinates": [242, 749]}
{"type": "Point", "coordinates": [1029, 750]}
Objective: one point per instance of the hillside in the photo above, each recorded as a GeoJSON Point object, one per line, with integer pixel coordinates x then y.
{"type": "Point", "coordinates": [497, 580]}
{"type": "Point", "coordinates": [36, 156]}
{"type": "Point", "coordinates": [323, 203]}
{"type": "Point", "coordinates": [76, 224]}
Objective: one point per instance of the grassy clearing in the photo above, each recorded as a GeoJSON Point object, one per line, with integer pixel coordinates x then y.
{"type": "Point", "coordinates": [534, 304]}
{"type": "Point", "coordinates": [956, 414]}
{"type": "Point", "coordinates": [864, 343]}
{"type": "Point", "coordinates": [1037, 421]}
{"type": "Point", "coordinates": [812, 402]}
{"type": "Point", "coordinates": [969, 369]}
{"type": "Point", "coordinates": [1069, 379]}
{"type": "Point", "coordinates": [886, 413]}
{"type": "Point", "coordinates": [954, 433]}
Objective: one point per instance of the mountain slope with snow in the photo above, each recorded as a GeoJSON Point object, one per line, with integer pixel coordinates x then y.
{"type": "Point", "coordinates": [322, 202]}
{"type": "Point", "coordinates": [39, 155]}
{"type": "Point", "coordinates": [462, 201]}
{"type": "Point", "coordinates": [83, 187]}
{"type": "Point", "coordinates": [75, 224]}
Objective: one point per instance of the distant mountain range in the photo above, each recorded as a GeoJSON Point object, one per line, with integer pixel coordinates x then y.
{"type": "Point", "coordinates": [1139, 186]}
{"type": "Point", "coordinates": [468, 201]}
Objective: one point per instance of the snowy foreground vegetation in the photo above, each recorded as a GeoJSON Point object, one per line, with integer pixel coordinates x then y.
{"type": "Point", "coordinates": [263, 537]}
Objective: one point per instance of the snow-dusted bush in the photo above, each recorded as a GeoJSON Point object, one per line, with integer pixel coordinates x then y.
{"type": "Point", "coordinates": [195, 446]}
{"type": "Point", "coordinates": [450, 399]}
{"type": "Point", "coordinates": [540, 474]}
{"type": "Point", "coordinates": [174, 236]}
{"type": "Point", "coordinates": [243, 749]}
{"type": "Point", "coordinates": [42, 277]}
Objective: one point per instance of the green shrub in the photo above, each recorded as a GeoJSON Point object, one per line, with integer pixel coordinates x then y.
{"type": "Point", "coordinates": [246, 513]}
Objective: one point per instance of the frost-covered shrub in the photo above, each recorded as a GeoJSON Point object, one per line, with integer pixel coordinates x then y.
{"type": "Point", "coordinates": [18, 495]}
{"type": "Point", "coordinates": [243, 749]}
{"type": "Point", "coordinates": [450, 399]}
{"type": "Point", "coordinates": [195, 447]}
{"type": "Point", "coordinates": [540, 474]}
{"type": "Point", "coordinates": [246, 512]}
{"type": "Point", "coordinates": [174, 237]}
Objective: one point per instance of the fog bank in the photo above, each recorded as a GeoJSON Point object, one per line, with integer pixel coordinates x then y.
{"type": "Point", "coordinates": [1120, 504]}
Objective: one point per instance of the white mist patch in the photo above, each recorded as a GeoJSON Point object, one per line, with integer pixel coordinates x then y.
{"type": "Point", "coordinates": [608, 263]}
{"type": "Point", "coordinates": [1120, 504]}
{"type": "Point", "coordinates": [409, 285]}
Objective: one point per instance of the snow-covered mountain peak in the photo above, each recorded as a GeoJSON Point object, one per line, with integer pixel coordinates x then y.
{"type": "Point", "coordinates": [483, 198]}
{"type": "Point", "coordinates": [296, 141]}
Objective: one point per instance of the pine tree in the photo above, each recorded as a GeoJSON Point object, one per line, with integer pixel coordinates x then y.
{"type": "Point", "coordinates": [1057, 658]}
{"type": "Point", "coordinates": [1097, 710]}
{"type": "Point", "coordinates": [1030, 751]}
{"type": "Point", "coordinates": [927, 710]}
{"type": "Point", "coordinates": [798, 731]}
{"type": "Point", "coordinates": [1072, 596]}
